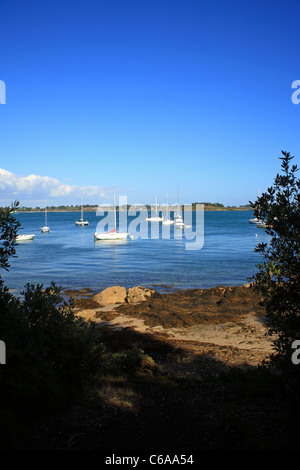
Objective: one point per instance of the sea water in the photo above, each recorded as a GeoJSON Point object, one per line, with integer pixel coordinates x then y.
{"type": "Point", "coordinates": [69, 255]}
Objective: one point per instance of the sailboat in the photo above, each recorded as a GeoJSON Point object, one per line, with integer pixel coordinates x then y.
{"type": "Point", "coordinates": [156, 218]}
{"type": "Point", "coordinates": [178, 220]}
{"type": "Point", "coordinates": [45, 229]}
{"type": "Point", "coordinates": [81, 222]}
{"type": "Point", "coordinates": [256, 220]}
{"type": "Point", "coordinates": [167, 221]}
{"type": "Point", "coordinates": [112, 234]}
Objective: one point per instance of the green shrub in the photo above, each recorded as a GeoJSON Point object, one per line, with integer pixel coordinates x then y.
{"type": "Point", "coordinates": [128, 361]}
{"type": "Point", "coordinates": [50, 353]}
{"type": "Point", "coordinates": [278, 277]}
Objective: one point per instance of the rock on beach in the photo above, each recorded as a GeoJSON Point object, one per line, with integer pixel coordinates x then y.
{"type": "Point", "coordinates": [138, 294]}
{"type": "Point", "coordinates": [111, 295]}
{"type": "Point", "coordinates": [119, 295]}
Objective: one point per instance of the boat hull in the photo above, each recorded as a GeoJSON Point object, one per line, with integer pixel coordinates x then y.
{"type": "Point", "coordinates": [261, 225]}
{"type": "Point", "coordinates": [178, 222]}
{"type": "Point", "coordinates": [111, 236]}
{"type": "Point", "coordinates": [254, 221]}
{"type": "Point", "coordinates": [21, 238]}
{"type": "Point", "coordinates": [81, 224]}
{"type": "Point", "coordinates": [154, 219]}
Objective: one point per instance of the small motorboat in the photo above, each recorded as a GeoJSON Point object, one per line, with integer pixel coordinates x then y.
{"type": "Point", "coordinates": [254, 221]}
{"type": "Point", "coordinates": [21, 238]}
{"type": "Point", "coordinates": [261, 224]}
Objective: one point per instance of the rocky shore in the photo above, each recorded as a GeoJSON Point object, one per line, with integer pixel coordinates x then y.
{"type": "Point", "coordinates": [227, 321]}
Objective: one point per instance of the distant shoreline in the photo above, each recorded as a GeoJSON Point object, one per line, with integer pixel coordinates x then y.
{"type": "Point", "coordinates": [94, 209]}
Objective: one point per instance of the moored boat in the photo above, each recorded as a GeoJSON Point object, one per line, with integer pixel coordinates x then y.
{"type": "Point", "coordinates": [167, 220]}
{"type": "Point", "coordinates": [112, 234]}
{"type": "Point", "coordinates": [178, 220]}
{"type": "Point", "coordinates": [45, 229]}
{"type": "Point", "coordinates": [156, 217]}
{"type": "Point", "coordinates": [81, 222]}
{"type": "Point", "coordinates": [21, 238]}
{"type": "Point", "coordinates": [261, 224]}
{"type": "Point", "coordinates": [254, 221]}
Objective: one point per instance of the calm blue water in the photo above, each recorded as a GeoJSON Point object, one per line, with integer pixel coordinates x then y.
{"type": "Point", "coordinates": [69, 255]}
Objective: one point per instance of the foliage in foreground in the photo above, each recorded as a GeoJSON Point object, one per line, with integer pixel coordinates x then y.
{"type": "Point", "coordinates": [8, 231]}
{"type": "Point", "coordinates": [50, 353]}
{"type": "Point", "coordinates": [52, 356]}
{"type": "Point", "coordinates": [278, 277]}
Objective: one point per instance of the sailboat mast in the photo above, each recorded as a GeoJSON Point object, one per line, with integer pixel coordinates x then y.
{"type": "Point", "coordinates": [167, 208]}
{"type": "Point", "coordinates": [115, 213]}
{"type": "Point", "coordinates": [45, 214]}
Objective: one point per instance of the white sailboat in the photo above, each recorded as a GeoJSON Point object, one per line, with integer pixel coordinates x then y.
{"type": "Point", "coordinates": [256, 220]}
{"type": "Point", "coordinates": [112, 234]}
{"type": "Point", "coordinates": [156, 218]}
{"type": "Point", "coordinates": [178, 220]}
{"type": "Point", "coordinates": [45, 229]}
{"type": "Point", "coordinates": [81, 222]}
{"type": "Point", "coordinates": [167, 220]}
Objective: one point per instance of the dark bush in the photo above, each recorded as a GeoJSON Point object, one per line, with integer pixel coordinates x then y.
{"type": "Point", "coordinates": [51, 354]}
{"type": "Point", "coordinates": [278, 277]}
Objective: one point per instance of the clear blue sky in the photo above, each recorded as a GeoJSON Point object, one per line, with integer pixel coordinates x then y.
{"type": "Point", "coordinates": [140, 96]}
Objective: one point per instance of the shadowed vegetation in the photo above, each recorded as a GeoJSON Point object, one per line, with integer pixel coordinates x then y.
{"type": "Point", "coordinates": [70, 384]}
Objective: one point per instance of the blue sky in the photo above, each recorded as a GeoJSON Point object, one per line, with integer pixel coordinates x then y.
{"type": "Point", "coordinates": [140, 96]}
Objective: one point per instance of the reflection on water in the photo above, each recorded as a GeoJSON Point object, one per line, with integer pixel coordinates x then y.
{"type": "Point", "coordinates": [110, 243]}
